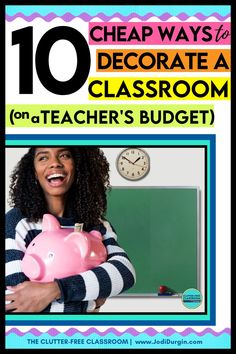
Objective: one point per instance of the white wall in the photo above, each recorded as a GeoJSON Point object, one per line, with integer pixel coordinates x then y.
{"type": "Point", "coordinates": [170, 166]}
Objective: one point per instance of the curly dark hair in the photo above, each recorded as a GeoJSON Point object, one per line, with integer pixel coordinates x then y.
{"type": "Point", "coordinates": [86, 200]}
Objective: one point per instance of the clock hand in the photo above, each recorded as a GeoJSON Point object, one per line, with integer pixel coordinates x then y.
{"type": "Point", "coordinates": [140, 166]}
{"type": "Point", "coordinates": [123, 157]}
{"type": "Point", "coordinates": [136, 160]}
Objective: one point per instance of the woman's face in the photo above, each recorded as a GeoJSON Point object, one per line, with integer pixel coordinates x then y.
{"type": "Point", "coordinates": [54, 170]}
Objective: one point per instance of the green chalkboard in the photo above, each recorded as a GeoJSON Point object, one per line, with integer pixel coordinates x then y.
{"type": "Point", "coordinates": [158, 228]}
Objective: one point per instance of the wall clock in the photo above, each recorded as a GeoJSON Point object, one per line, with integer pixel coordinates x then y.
{"type": "Point", "coordinates": [133, 163]}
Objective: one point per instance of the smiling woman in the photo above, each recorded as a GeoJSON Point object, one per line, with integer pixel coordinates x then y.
{"type": "Point", "coordinates": [69, 183]}
{"type": "Point", "coordinates": [54, 170]}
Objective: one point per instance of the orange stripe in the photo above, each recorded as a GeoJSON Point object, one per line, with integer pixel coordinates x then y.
{"type": "Point", "coordinates": [162, 60]}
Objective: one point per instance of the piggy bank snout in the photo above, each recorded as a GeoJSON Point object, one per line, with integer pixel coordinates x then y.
{"type": "Point", "coordinates": [33, 267]}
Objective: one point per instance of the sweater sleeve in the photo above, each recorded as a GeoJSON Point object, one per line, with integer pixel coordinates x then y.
{"type": "Point", "coordinates": [109, 279]}
{"type": "Point", "coordinates": [15, 247]}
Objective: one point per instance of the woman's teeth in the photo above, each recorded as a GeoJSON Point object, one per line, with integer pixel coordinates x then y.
{"type": "Point", "coordinates": [55, 175]}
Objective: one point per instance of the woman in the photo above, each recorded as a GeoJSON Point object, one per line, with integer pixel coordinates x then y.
{"type": "Point", "coordinates": [69, 183]}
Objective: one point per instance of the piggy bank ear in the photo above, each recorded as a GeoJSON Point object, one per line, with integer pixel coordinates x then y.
{"type": "Point", "coordinates": [96, 234]}
{"type": "Point", "coordinates": [80, 240]}
{"type": "Point", "coordinates": [50, 223]}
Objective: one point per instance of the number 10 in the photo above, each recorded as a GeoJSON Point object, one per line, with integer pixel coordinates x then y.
{"type": "Point", "coordinates": [24, 37]}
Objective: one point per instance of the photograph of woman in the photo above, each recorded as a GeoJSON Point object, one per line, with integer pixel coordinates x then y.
{"type": "Point", "coordinates": [69, 183]}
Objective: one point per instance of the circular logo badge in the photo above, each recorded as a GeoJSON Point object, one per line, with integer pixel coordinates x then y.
{"type": "Point", "coordinates": [192, 298]}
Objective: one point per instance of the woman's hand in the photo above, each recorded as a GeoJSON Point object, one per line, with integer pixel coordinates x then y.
{"type": "Point", "coordinates": [31, 296]}
{"type": "Point", "coordinates": [99, 303]}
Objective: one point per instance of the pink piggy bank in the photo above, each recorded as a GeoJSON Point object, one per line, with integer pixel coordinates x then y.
{"type": "Point", "coordinates": [60, 252]}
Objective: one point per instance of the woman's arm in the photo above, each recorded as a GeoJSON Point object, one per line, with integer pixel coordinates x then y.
{"type": "Point", "coordinates": [15, 245]}
{"type": "Point", "coordinates": [31, 296]}
{"type": "Point", "coordinates": [111, 278]}
{"type": "Point", "coordinates": [27, 296]}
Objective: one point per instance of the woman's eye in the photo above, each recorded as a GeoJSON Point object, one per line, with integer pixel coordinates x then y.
{"type": "Point", "coordinates": [65, 155]}
{"type": "Point", "coordinates": [42, 158]}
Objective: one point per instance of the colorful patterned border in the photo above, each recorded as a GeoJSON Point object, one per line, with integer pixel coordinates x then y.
{"type": "Point", "coordinates": [112, 338]}
{"type": "Point", "coordinates": [67, 17]}
{"type": "Point", "coordinates": [168, 332]}
{"type": "Point", "coordinates": [93, 10]}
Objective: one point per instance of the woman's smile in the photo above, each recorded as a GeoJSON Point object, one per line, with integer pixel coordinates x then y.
{"type": "Point", "coordinates": [54, 170]}
{"type": "Point", "coordinates": [56, 179]}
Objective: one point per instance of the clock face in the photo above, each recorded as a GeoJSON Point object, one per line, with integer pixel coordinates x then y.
{"type": "Point", "coordinates": [133, 163]}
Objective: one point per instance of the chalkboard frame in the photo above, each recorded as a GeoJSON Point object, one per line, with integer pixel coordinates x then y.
{"type": "Point", "coordinates": [198, 238]}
